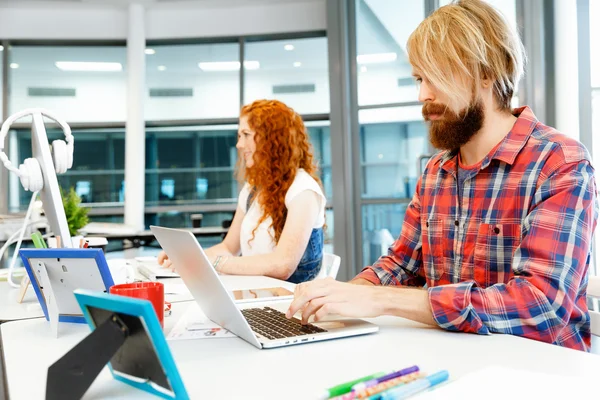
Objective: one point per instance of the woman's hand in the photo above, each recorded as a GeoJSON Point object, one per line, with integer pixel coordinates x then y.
{"type": "Point", "coordinates": [164, 260]}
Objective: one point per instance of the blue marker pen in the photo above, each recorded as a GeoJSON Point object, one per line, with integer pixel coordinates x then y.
{"type": "Point", "coordinates": [417, 386]}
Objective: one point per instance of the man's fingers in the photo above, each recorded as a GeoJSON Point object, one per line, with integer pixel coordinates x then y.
{"type": "Point", "coordinates": [326, 310]}
{"type": "Point", "coordinates": [304, 293]}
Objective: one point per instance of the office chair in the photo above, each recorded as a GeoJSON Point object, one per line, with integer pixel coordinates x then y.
{"type": "Point", "coordinates": [329, 266]}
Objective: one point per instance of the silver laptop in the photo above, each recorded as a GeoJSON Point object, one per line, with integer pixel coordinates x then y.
{"type": "Point", "coordinates": [261, 326]}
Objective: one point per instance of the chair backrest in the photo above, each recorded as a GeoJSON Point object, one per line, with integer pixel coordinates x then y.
{"type": "Point", "coordinates": [330, 266]}
{"type": "Point", "coordinates": [593, 290]}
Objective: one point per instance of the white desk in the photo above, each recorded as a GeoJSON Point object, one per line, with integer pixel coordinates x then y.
{"type": "Point", "coordinates": [10, 310]}
{"type": "Point", "coordinates": [231, 368]}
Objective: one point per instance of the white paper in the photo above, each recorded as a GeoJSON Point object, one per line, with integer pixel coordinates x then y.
{"type": "Point", "coordinates": [176, 288]}
{"type": "Point", "coordinates": [501, 383]}
{"type": "Point", "coordinates": [194, 325]}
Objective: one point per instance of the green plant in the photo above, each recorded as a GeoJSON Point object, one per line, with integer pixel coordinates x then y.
{"type": "Point", "coordinates": [77, 216]}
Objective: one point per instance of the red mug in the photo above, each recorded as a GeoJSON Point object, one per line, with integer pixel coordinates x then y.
{"type": "Point", "coordinates": [152, 291]}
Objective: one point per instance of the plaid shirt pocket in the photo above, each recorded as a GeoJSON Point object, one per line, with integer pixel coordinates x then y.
{"type": "Point", "coordinates": [494, 249]}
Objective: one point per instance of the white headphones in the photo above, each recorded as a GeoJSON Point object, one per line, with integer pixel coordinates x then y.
{"type": "Point", "coordinates": [30, 172]}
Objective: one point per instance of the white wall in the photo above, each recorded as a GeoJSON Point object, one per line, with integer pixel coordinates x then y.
{"type": "Point", "coordinates": [68, 20]}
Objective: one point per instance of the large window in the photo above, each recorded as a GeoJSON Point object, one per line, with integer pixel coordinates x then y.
{"type": "Point", "coordinates": [393, 143]}
{"type": "Point", "coordinates": [98, 165]}
{"type": "Point", "coordinates": [192, 103]}
{"type": "Point", "coordinates": [382, 29]}
{"type": "Point", "coordinates": [190, 164]}
{"type": "Point", "coordinates": [392, 135]}
{"type": "Point", "coordinates": [292, 71]}
{"type": "Point", "coordinates": [78, 83]}
{"type": "Point", "coordinates": [190, 82]}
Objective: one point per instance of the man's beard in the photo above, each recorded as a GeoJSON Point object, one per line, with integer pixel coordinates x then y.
{"type": "Point", "coordinates": [452, 131]}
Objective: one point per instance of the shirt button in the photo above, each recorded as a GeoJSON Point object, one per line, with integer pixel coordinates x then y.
{"type": "Point", "coordinates": [456, 222]}
{"type": "Point", "coordinates": [496, 230]}
{"type": "Point", "coordinates": [427, 224]}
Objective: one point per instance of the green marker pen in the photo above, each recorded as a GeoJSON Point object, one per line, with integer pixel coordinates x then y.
{"type": "Point", "coordinates": [343, 388]}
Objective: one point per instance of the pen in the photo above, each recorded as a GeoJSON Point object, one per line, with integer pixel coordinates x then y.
{"type": "Point", "coordinates": [374, 392]}
{"type": "Point", "coordinates": [372, 382]}
{"type": "Point", "coordinates": [344, 388]}
{"type": "Point", "coordinates": [405, 391]}
{"type": "Point", "coordinates": [38, 241]}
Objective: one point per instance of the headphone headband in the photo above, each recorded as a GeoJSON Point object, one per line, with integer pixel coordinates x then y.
{"type": "Point", "coordinates": [31, 111]}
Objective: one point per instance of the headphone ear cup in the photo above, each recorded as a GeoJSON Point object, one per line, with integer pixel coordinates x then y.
{"type": "Point", "coordinates": [61, 155]}
{"type": "Point", "coordinates": [31, 175]}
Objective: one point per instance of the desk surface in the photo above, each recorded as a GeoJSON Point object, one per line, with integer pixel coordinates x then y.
{"type": "Point", "coordinates": [209, 366]}
{"type": "Point", "coordinates": [10, 310]}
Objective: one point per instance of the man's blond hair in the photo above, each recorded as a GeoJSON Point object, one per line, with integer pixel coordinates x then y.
{"type": "Point", "coordinates": [461, 44]}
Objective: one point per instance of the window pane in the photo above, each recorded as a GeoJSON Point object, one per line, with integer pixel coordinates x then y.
{"type": "Point", "coordinates": [390, 150]}
{"type": "Point", "coordinates": [381, 226]}
{"type": "Point", "coordinates": [192, 81]}
{"type": "Point", "coordinates": [292, 71]}
{"type": "Point", "coordinates": [97, 172]}
{"type": "Point", "coordinates": [186, 165]}
{"type": "Point", "coordinates": [382, 29]}
{"type": "Point", "coordinates": [595, 45]}
{"type": "Point", "coordinates": [321, 140]}
{"type": "Point", "coordinates": [36, 80]}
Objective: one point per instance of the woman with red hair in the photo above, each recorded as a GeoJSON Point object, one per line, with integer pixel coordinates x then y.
{"type": "Point", "coordinates": [277, 229]}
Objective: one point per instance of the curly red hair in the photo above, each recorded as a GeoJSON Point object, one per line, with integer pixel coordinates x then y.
{"type": "Point", "coordinates": [282, 147]}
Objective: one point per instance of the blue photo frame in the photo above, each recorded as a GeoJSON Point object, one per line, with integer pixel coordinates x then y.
{"type": "Point", "coordinates": [143, 310]}
{"type": "Point", "coordinates": [74, 260]}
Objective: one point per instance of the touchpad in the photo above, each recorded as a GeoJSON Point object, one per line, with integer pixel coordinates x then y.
{"type": "Point", "coordinates": [329, 325]}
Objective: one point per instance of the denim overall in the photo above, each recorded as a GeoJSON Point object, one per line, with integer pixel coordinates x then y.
{"type": "Point", "coordinates": [310, 263]}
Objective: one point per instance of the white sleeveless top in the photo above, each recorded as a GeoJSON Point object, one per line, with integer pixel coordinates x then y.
{"type": "Point", "coordinates": [263, 241]}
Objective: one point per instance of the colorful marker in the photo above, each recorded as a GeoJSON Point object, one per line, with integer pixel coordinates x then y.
{"type": "Point", "coordinates": [404, 391]}
{"type": "Point", "coordinates": [386, 385]}
{"type": "Point", "coordinates": [344, 388]}
{"type": "Point", "coordinates": [372, 382]}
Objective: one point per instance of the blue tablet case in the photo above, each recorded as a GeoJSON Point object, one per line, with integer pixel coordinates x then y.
{"type": "Point", "coordinates": [70, 259]}
{"type": "Point", "coordinates": [160, 376]}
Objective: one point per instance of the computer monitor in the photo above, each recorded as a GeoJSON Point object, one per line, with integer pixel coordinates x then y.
{"type": "Point", "coordinates": [50, 194]}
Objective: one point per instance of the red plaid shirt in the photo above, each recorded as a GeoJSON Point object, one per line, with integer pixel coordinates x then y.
{"type": "Point", "coordinates": [514, 256]}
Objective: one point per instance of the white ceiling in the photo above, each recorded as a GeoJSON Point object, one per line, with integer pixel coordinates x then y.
{"type": "Point", "coordinates": [124, 3]}
{"type": "Point", "coordinates": [372, 37]}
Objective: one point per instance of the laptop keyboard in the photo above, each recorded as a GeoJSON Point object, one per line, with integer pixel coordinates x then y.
{"type": "Point", "coordinates": [273, 324]}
